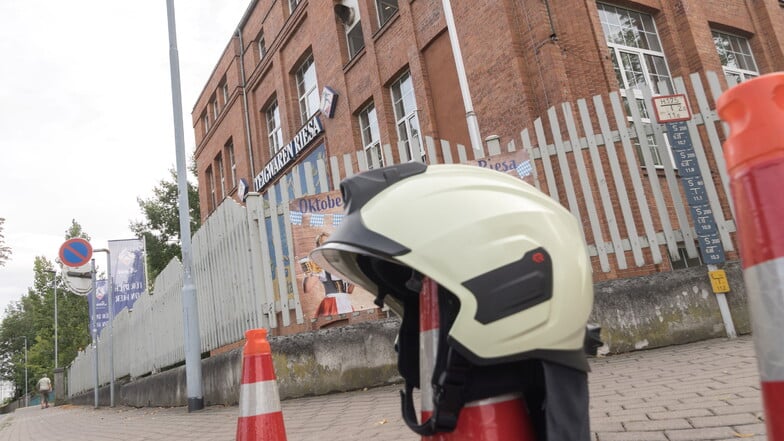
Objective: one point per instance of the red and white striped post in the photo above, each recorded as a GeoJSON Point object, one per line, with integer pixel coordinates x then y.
{"type": "Point", "coordinates": [754, 153]}
{"type": "Point", "coordinates": [261, 418]}
{"type": "Point", "coordinates": [498, 418]}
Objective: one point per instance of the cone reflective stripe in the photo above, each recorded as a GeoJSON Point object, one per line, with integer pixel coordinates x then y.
{"type": "Point", "coordinates": [261, 418]}
{"type": "Point", "coordinates": [501, 418]}
{"type": "Point", "coordinates": [754, 153]}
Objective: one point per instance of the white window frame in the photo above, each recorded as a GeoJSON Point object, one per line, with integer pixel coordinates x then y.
{"type": "Point", "coordinates": [262, 46]}
{"type": "Point", "coordinates": [383, 5]}
{"type": "Point", "coordinates": [221, 175]}
{"type": "Point", "coordinates": [211, 184]}
{"type": "Point", "coordinates": [407, 116]}
{"type": "Point", "coordinates": [739, 49]}
{"type": "Point", "coordinates": [225, 90]}
{"type": "Point", "coordinates": [371, 140]}
{"type": "Point", "coordinates": [232, 163]}
{"type": "Point", "coordinates": [215, 109]}
{"type": "Point", "coordinates": [307, 89]}
{"type": "Point", "coordinates": [274, 131]}
{"type": "Point", "coordinates": [293, 5]}
{"type": "Point", "coordinates": [205, 120]}
{"type": "Point", "coordinates": [619, 52]}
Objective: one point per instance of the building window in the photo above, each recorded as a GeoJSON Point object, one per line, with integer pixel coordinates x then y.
{"type": "Point", "coordinates": [205, 122]}
{"type": "Point", "coordinates": [307, 89]}
{"type": "Point", "coordinates": [637, 58]}
{"type": "Point", "coordinates": [225, 90]}
{"type": "Point", "coordinates": [736, 58]}
{"type": "Point", "coordinates": [232, 163]}
{"type": "Point", "coordinates": [685, 261]}
{"type": "Point", "coordinates": [221, 175]}
{"type": "Point", "coordinates": [368, 124]}
{"type": "Point", "coordinates": [215, 109]}
{"type": "Point", "coordinates": [293, 5]}
{"type": "Point", "coordinates": [348, 13]}
{"type": "Point", "coordinates": [386, 10]}
{"type": "Point", "coordinates": [274, 133]}
{"type": "Point", "coordinates": [262, 47]}
{"type": "Point", "coordinates": [406, 116]}
{"type": "Point", "coordinates": [212, 202]}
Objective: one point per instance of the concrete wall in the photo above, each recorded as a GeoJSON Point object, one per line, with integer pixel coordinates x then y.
{"type": "Point", "coordinates": [663, 309]}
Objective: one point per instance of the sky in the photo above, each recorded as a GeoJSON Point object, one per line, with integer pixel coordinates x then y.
{"type": "Point", "coordinates": [86, 123]}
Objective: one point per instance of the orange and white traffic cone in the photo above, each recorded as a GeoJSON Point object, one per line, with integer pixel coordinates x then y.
{"type": "Point", "coordinates": [754, 153]}
{"type": "Point", "coordinates": [504, 417]}
{"type": "Point", "coordinates": [261, 418]}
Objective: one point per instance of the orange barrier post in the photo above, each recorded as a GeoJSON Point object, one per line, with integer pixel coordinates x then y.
{"type": "Point", "coordinates": [260, 417]}
{"type": "Point", "coordinates": [499, 418]}
{"type": "Point", "coordinates": [754, 153]}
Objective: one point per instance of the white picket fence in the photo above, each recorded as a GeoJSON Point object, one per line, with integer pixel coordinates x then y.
{"type": "Point", "coordinates": [598, 175]}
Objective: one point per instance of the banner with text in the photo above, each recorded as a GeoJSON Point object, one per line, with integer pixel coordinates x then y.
{"type": "Point", "coordinates": [129, 278]}
{"type": "Point", "coordinates": [101, 317]}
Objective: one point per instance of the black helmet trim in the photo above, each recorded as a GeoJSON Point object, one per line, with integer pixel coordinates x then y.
{"type": "Point", "coordinates": [528, 282]}
{"type": "Point", "coordinates": [575, 358]}
{"type": "Point", "coordinates": [353, 232]}
{"type": "Point", "coordinates": [359, 189]}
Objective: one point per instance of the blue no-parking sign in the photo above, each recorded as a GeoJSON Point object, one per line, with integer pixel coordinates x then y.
{"type": "Point", "coordinates": [75, 252]}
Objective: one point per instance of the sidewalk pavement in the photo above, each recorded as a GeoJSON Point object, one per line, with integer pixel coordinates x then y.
{"type": "Point", "coordinates": [699, 391]}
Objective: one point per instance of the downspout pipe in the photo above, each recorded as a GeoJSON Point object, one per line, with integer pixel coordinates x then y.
{"type": "Point", "coordinates": [246, 113]}
{"type": "Point", "coordinates": [473, 124]}
{"type": "Point", "coordinates": [244, 86]}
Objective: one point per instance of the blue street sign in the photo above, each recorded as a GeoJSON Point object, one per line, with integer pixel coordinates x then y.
{"type": "Point", "coordinates": [75, 252]}
{"type": "Point", "coordinates": [711, 250]}
{"type": "Point", "coordinates": [703, 220]}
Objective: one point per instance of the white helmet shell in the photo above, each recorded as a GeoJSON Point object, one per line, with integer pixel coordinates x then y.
{"type": "Point", "coordinates": [515, 259]}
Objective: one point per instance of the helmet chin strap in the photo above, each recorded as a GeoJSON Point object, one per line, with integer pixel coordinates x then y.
{"type": "Point", "coordinates": [448, 397]}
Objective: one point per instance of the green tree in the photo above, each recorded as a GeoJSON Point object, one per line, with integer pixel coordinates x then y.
{"type": "Point", "coordinates": [5, 250]}
{"type": "Point", "coordinates": [161, 227]}
{"type": "Point", "coordinates": [32, 317]}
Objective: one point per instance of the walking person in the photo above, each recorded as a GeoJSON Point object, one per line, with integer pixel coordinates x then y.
{"type": "Point", "coordinates": [44, 386]}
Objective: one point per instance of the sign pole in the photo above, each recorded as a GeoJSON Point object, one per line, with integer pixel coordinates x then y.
{"type": "Point", "coordinates": [110, 293]}
{"type": "Point", "coordinates": [673, 111]}
{"type": "Point", "coordinates": [93, 330]}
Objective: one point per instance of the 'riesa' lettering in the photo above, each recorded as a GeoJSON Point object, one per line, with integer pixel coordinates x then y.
{"type": "Point", "coordinates": [321, 204]}
{"type": "Point", "coordinates": [503, 166]}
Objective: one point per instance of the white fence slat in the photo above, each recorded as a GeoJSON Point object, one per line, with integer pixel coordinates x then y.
{"type": "Point", "coordinates": [277, 243]}
{"type": "Point", "coordinates": [547, 165]}
{"type": "Point", "coordinates": [348, 166]}
{"type": "Point", "coordinates": [269, 307]}
{"type": "Point", "coordinates": [652, 172]}
{"type": "Point", "coordinates": [563, 165]}
{"type": "Point", "coordinates": [446, 150]}
{"type": "Point", "coordinates": [389, 158]}
{"type": "Point", "coordinates": [585, 185]}
{"type": "Point", "coordinates": [633, 168]}
{"type": "Point", "coordinates": [461, 154]}
{"type": "Point", "coordinates": [705, 171]}
{"type": "Point", "coordinates": [432, 157]}
{"type": "Point", "coordinates": [403, 152]}
{"type": "Point", "coordinates": [335, 167]}
{"type": "Point", "coordinates": [297, 306]}
{"type": "Point", "coordinates": [709, 118]}
{"type": "Point", "coordinates": [258, 285]}
{"type": "Point", "coordinates": [321, 166]}
{"type": "Point", "coordinates": [601, 181]}
{"type": "Point", "coordinates": [716, 91]}
{"type": "Point", "coordinates": [362, 161]}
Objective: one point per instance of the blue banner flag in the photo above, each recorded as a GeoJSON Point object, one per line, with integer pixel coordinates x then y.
{"type": "Point", "coordinates": [129, 277]}
{"type": "Point", "coordinates": [101, 299]}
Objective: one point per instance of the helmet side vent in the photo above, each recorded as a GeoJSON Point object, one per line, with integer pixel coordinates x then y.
{"type": "Point", "coordinates": [514, 287]}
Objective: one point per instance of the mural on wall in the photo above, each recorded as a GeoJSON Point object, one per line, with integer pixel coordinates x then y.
{"type": "Point", "coordinates": [313, 219]}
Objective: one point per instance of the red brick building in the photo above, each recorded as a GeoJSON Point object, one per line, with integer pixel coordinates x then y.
{"type": "Point", "coordinates": [390, 69]}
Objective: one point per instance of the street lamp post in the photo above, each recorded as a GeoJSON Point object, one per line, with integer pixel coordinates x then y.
{"type": "Point", "coordinates": [54, 282]}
